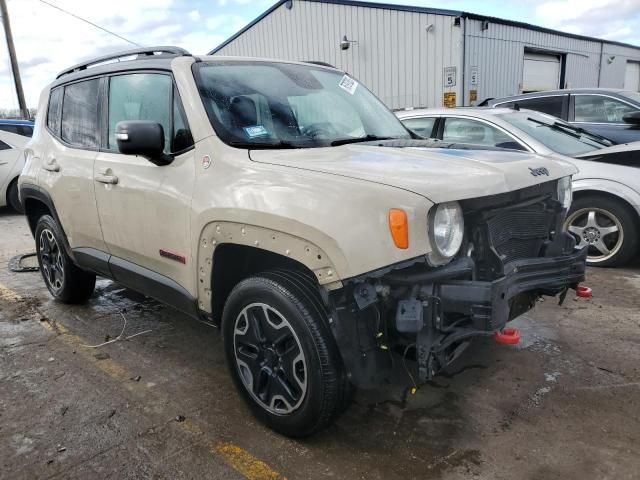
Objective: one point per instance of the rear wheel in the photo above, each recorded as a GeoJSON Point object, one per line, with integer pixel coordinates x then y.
{"type": "Point", "coordinates": [281, 353]}
{"type": "Point", "coordinates": [66, 281]}
{"type": "Point", "coordinates": [606, 227]}
{"type": "Point", "coordinates": [12, 197]}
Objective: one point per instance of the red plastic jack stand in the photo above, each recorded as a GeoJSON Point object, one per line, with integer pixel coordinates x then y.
{"type": "Point", "coordinates": [507, 336]}
{"type": "Point", "coordinates": [584, 292]}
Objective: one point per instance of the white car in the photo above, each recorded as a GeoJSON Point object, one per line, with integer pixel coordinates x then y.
{"type": "Point", "coordinates": [11, 163]}
{"type": "Point", "coordinates": [605, 214]}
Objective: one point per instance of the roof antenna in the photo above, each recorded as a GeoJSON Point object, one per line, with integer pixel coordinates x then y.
{"type": "Point", "coordinates": [516, 107]}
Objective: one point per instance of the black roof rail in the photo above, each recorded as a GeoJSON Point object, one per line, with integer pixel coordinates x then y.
{"type": "Point", "coordinates": [140, 53]}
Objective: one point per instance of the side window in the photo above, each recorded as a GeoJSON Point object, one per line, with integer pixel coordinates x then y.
{"type": "Point", "coordinates": [4, 146]}
{"type": "Point", "coordinates": [464, 130]}
{"type": "Point", "coordinates": [422, 126]}
{"type": "Point", "coordinates": [53, 113]}
{"type": "Point", "coordinates": [140, 96]}
{"type": "Point", "coordinates": [80, 114]}
{"type": "Point", "coordinates": [599, 109]}
{"type": "Point", "coordinates": [548, 105]}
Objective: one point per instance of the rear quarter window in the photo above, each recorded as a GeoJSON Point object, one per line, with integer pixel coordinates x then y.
{"type": "Point", "coordinates": [53, 112]}
{"type": "Point", "coordinates": [80, 114]}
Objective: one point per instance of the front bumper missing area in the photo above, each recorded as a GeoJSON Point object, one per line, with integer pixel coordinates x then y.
{"type": "Point", "coordinates": [490, 304]}
{"type": "Point", "coordinates": [380, 317]}
{"type": "Point", "coordinates": [463, 308]}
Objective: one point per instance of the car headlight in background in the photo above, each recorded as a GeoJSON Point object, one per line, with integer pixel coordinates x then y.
{"type": "Point", "coordinates": [446, 231]}
{"type": "Point", "coordinates": [565, 194]}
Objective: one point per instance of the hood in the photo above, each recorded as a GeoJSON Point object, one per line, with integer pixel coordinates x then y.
{"type": "Point", "coordinates": [439, 174]}
{"type": "Point", "coordinates": [627, 154]}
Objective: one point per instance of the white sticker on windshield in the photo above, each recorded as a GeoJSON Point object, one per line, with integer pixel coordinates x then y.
{"type": "Point", "coordinates": [255, 131]}
{"type": "Point", "coordinates": [349, 84]}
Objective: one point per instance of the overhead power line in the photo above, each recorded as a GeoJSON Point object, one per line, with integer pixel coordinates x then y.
{"type": "Point", "coordinates": [90, 23]}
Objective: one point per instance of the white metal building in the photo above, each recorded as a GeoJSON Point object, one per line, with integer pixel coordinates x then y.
{"type": "Point", "coordinates": [424, 57]}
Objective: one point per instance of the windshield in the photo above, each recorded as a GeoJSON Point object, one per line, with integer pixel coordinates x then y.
{"type": "Point", "coordinates": [555, 135]}
{"type": "Point", "coordinates": [281, 105]}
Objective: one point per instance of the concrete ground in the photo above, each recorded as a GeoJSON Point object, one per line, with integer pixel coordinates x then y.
{"type": "Point", "coordinates": [564, 404]}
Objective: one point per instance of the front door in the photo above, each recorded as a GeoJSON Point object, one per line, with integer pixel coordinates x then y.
{"type": "Point", "coordinates": [144, 208]}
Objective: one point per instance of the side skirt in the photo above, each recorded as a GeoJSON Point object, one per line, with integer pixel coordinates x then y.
{"type": "Point", "coordinates": [138, 278]}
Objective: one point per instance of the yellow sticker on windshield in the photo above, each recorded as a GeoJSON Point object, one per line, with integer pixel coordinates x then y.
{"type": "Point", "coordinates": [349, 84]}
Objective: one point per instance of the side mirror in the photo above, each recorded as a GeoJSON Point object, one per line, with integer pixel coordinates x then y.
{"type": "Point", "coordinates": [144, 138]}
{"type": "Point", "coordinates": [632, 118]}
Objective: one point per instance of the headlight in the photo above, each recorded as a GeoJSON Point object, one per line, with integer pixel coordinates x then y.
{"type": "Point", "coordinates": [564, 192]}
{"type": "Point", "coordinates": [447, 230]}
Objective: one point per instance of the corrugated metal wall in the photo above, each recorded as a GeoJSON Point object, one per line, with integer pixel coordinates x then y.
{"type": "Point", "coordinates": [401, 55]}
{"type": "Point", "coordinates": [498, 52]}
{"type": "Point", "coordinates": [395, 56]}
{"type": "Point", "coordinates": [614, 64]}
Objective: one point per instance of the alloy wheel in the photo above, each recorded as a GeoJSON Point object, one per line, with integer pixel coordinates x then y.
{"type": "Point", "coordinates": [270, 359]}
{"type": "Point", "coordinates": [598, 230]}
{"type": "Point", "coordinates": [51, 260]}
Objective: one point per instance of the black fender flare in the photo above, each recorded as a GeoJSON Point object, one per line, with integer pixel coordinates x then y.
{"type": "Point", "coordinates": [33, 192]}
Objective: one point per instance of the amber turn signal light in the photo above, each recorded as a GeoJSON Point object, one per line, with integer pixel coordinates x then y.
{"type": "Point", "coordinates": [399, 227]}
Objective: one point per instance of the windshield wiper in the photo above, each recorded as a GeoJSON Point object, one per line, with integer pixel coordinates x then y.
{"type": "Point", "coordinates": [261, 146]}
{"type": "Point", "coordinates": [366, 138]}
{"type": "Point", "coordinates": [576, 132]}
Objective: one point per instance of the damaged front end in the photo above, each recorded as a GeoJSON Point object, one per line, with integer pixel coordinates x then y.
{"type": "Point", "coordinates": [514, 252]}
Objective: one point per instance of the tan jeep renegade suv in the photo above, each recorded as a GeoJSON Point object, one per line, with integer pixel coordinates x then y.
{"type": "Point", "coordinates": [285, 203]}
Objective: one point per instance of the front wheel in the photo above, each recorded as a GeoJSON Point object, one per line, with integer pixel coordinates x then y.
{"type": "Point", "coordinates": [606, 227]}
{"type": "Point", "coordinates": [65, 280]}
{"type": "Point", "coordinates": [281, 353]}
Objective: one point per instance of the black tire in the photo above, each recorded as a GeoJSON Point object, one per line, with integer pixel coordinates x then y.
{"type": "Point", "coordinates": [65, 280]}
{"type": "Point", "coordinates": [291, 300]}
{"type": "Point", "coordinates": [622, 244]}
{"type": "Point", "coordinates": [13, 200]}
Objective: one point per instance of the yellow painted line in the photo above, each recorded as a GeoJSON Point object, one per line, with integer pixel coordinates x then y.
{"type": "Point", "coordinates": [239, 459]}
{"type": "Point", "coordinates": [7, 294]}
{"type": "Point", "coordinates": [245, 463]}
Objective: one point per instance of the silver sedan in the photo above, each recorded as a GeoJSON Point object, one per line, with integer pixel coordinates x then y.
{"type": "Point", "coordinates": [605, 214]}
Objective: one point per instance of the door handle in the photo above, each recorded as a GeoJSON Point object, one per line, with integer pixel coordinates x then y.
{"type": "Point", "coordinates": [107, 179]}
{"type": "Point", "coordinates": [51, 165]}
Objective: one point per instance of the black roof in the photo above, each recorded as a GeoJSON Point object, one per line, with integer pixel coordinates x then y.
{"type": "Point", "coordinates": [435, 11]}
{"type": "Point", "coordinates": [148, 58]}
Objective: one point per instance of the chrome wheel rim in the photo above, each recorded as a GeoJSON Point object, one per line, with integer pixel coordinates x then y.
{"type": "Point", "coordinates": [51, 260]}
{"type": "Point", "coordinates": [269, 359]}
{"type": "Point", "coordinates": [598, 230]}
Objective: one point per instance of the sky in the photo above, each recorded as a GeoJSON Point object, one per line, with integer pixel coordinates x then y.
{"type": "Point", "coordinates": [48, 40]}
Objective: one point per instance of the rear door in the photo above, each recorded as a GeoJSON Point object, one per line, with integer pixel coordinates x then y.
{"type": "Point", "coordinates": [145, 211]}
{"type": "Point", "coordinates": [67, 154]}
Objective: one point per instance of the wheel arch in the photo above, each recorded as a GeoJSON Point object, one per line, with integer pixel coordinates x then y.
{"type": "Point", "coordinates": [229, 252]}
{"type": "Point", "coordinates": [36, 203]}
{"type": "Point", "coordinates": [614, 197]}
{"type": "Point", "coordinates": [609, 188]}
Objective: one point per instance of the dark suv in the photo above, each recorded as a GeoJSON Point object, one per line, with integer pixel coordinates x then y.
{"type": "Point", "coordinates": [614, 114]}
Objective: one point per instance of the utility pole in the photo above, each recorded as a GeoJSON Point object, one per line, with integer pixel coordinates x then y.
{"type": "Point", "coordinates": [14, 61]}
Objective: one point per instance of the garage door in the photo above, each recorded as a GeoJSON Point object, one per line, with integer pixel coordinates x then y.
{"type": "Point", "coordinates": [541, 72]}
{"type": "Point", "coordinates": [632, 77]}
